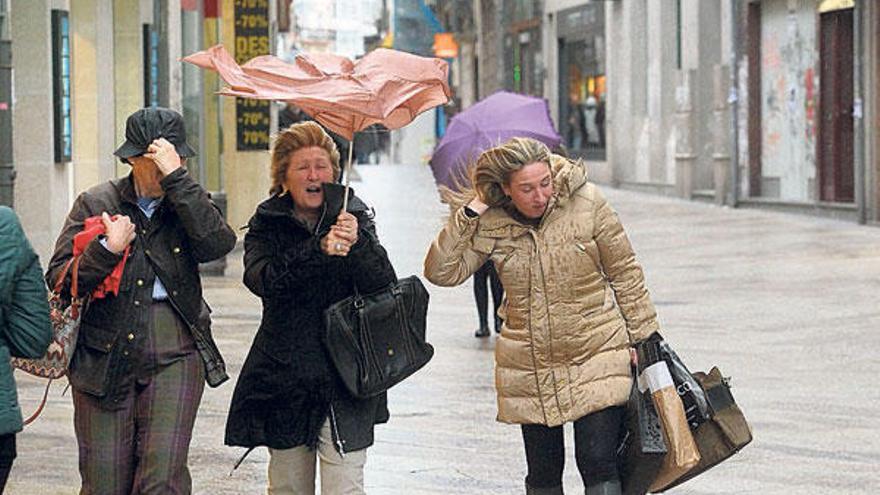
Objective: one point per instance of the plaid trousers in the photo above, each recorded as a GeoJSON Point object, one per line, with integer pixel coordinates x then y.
{"type": "Point", "coordinates": [142, 448]}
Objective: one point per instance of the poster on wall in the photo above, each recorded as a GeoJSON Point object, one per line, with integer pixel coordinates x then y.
{"type": "Point", "coordinates": [251, 40]}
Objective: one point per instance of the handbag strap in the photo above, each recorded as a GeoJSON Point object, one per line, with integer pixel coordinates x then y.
{"type": "Point", "coordinates": [39, 410]}
{"type": "Point", "coordinates": [719, 396]}
{"type": "Point", "coordinates": [74, 277]}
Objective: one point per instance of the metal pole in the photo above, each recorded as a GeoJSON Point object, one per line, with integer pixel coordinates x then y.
{"type": "Point", "coordinates": [858, 116]}
{"type": "Point", "coordinates": [160, 24]}
{"type": "Point", "coordinates": [733, 194]}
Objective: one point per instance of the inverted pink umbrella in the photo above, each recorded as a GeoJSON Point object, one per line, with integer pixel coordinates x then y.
{"type": "Point", "coordinates": [385, 86]}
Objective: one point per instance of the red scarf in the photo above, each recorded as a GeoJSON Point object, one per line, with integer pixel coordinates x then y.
{"type": "Point", "coordinates": [93, 227]}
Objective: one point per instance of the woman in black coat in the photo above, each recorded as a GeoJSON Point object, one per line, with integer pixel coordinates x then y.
{"type": "Point", "coordinates": [301, 257]}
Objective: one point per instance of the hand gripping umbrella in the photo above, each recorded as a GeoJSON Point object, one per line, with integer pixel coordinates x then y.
{"type": "Point", "coordinates": [385, 87]}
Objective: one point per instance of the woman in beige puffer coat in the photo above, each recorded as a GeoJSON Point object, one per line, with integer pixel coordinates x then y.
{"type": "Point", "coordinates": [575, 304]}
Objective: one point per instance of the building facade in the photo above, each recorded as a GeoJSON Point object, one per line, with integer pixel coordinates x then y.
{"type": "Point", "coordinates": [811, 100]}
{"type": "Point", "coordinates": [759, 103]}
{"type": "Point", "coordinates": [768, 103]}
{"type": "Point", "coordinates": [78, 68]}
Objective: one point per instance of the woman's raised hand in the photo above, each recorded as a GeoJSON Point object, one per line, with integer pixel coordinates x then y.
{"type": "Point", "coordinates": [478, 206]}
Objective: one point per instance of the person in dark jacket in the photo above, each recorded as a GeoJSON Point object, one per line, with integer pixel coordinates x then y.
{"type": "Point", "coordinates": [25, 329]}
{"type": "Point", "coordinates": [301, 257]}
{"type": "Point", "coordinates": [145, 352]}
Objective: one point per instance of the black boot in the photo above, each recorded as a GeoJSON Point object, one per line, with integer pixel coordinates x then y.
{"type": "Point", "coordinates": [483, 331]}
{"type": "Point", "coordinates": [498, 324]}
{"type": "Point", "coordinates": [556, 490]}
{"type": "Point", "coordinates": [604, 488]}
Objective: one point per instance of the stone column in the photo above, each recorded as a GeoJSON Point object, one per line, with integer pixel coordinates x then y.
{"type": "Point", "coordinates": [685, 155]}
{"type": "Point", "coordinates": [720, 132]}
{"type": "Point", "coordinates": [128, 64]}
{"type": "Point", "coordinates": [94, 137]}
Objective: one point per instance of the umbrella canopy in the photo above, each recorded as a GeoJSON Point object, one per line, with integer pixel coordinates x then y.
{"type": "Point", "coordinates": [488, 123]}
{"type": "Point", "coordinates": [385, 86]}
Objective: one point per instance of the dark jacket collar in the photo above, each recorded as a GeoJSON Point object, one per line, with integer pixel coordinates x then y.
{"type": "Point", "coordinates": [125, 187]}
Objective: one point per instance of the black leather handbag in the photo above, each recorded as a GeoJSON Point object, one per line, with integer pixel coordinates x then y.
{"type": "Point", "coordinates": [376, 340]}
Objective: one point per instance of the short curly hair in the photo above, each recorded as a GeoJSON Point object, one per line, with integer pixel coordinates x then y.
{"type": "Point", "coordinates": [294, 138]}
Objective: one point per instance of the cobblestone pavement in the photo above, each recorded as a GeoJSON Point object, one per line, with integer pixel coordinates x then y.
{"type": "Point", "coordinates": [786, 305]}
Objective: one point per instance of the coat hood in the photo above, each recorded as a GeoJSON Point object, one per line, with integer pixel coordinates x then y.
{"type": "Point", "coordinates": [568, 177]}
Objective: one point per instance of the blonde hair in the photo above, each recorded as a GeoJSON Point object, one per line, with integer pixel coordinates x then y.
{"type": "Point", "coordinates": [294, 138]}
{"type": "Point", "coordinates": [493, 168]}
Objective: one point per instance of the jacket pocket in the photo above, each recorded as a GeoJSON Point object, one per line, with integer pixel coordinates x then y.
{"type": "Point", "coordinates": [90, 363]}
{"type": "Point", "coordinates": [597, 306]}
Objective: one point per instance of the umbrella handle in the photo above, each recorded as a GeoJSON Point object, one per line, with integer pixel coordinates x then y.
{"type": "Point", "coordinates": [347, 176]}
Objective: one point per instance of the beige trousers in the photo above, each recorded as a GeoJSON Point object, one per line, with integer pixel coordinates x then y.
{"type": "Point", "coordinates": [292, 471]}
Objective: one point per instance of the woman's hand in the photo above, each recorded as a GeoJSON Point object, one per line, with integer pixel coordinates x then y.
{"type": "Point", "coordinates": [342, 236]}
{"type": "Point", "coordinates": [332, 245]}
{"type": "Point", "coordinates": [478, 206]}
{"type": "Point", "coordinates": [346, 227]}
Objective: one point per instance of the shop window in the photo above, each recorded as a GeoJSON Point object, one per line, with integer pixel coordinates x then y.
{"type": "Point", "coordinates": [151, 66]}
{"type": "Point", "coordinates": [62, 126]}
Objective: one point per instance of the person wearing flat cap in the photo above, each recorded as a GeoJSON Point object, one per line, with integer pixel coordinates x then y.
{"type": "Point", "coordinates": [144, 351]}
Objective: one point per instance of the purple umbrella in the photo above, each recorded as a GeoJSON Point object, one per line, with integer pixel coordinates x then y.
{"type": "Point", "coordinates": [488, 123]}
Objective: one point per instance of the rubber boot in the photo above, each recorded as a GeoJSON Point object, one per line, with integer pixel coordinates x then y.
{"type": "Point", "coordinates": [605, 488]}
{"type": "Point", "coordinates": [556, 490]}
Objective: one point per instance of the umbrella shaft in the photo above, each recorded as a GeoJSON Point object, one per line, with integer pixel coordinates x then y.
{"type": "Point", "coordinates": [347, 176]}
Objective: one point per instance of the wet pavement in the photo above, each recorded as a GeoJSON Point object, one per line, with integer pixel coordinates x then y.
{"type": "Point", "coordinates": [785, 305]}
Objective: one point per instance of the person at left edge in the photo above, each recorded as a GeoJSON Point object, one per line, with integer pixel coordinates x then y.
{"type": "Point", "coordinates": [25, 328]}
{"type": "Point", "coordinates": [144, 354]}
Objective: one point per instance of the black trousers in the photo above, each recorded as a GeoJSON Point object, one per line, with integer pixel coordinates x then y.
{"type": "Point", "coordinates": [484, 274]}
{"type": "Point", "coordinates": [596, 437]}
{"type": "Point", "coordinates": [7, 455]}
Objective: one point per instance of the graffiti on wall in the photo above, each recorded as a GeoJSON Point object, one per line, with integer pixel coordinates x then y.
{"type": "Point", "coordinates": [810, 103]}
{"type": "Point", "coordinates": [789, 98]}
